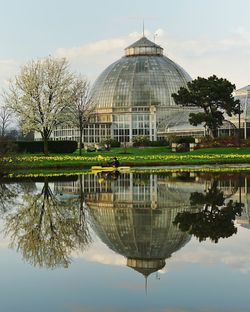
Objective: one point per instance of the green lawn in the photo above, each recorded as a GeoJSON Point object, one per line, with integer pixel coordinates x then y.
{"type": "Point", "coordinates": [148, 151]}
{"type": "Point", "coordinates": [149, 156]}
{"type": "Point", "coordinates": [222, 150]}
{"type": "Point", "coordinates": [166, 151]}
{"type": "Point", "coordinates": [136, 151]}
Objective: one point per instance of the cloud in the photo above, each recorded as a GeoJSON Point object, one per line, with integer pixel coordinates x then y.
{"type": "Point", "coordinates": [225, 57]}
{"type": "Point", "coordinates": [92, 49]}
{"type": "Point", "coordinates": [233, 252]}
{"type": "Point", "coordinates": [100, 253]}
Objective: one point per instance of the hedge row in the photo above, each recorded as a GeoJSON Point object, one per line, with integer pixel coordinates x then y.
{"type": "Point", "coordinates": [53, 146]}
{"type": "Point", "coordinates": [146, 142]}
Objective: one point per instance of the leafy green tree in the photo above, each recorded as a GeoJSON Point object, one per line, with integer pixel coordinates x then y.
{"type": "Point", "coordinates": [213, 97]}
{"type": "Point", "coordinates": [214, 220]}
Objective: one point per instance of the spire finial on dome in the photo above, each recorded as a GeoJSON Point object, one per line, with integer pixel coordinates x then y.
{"type": "Point", "coordinates": [143, 33]}
{"type": "Point", "coordinates": [146, 284]}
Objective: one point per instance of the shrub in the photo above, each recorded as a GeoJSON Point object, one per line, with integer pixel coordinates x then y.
{"type": "Point", "coordinates": [141, 140]}
{"type": "Point", "coordinates": [171, 138]}
{"type": "Point", "coordinates": [226, 141]}
{"type": "Point", "coordinates": [247, 142]}
{"type": "Point", "coordinates": [231, 141]}
{"type": "Point", "coordinates": [7, 147]}
{"type": "Point", "coordinates": [185, 139]}
{"type": "Point", "coordinates": [162, 142]}
{"type": "Point", "coordinates": [182, 147]}
{"type": "Point", "coordinates": [111, 142]}
{"type": "Point", "coordinates": [54, 146]}
{"type": "Point", "coordinates": [62, 146]}
{"type": "Point", "coordinates": [7, 152]}
{"type": "Point", "coordinates": [205, 139]}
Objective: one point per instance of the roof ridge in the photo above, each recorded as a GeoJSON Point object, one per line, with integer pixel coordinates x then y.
{"type": "Point", "coordinates": [143, 42]}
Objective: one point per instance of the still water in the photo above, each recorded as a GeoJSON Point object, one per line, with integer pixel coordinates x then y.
{"type": "Point", "coordinates": [166, 242]}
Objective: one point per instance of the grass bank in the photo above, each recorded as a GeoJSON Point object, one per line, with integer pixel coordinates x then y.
{"type": "Point", "coordinates": [148, 156]}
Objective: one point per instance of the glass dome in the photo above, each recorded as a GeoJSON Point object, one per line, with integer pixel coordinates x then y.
{"type": "Point", "coordinates": [142, 78]}
{"type": "Point", "coordinates": [133, 97]}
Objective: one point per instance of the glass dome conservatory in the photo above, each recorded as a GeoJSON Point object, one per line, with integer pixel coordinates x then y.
{"type": "Point", "coordinates": [133, 96]}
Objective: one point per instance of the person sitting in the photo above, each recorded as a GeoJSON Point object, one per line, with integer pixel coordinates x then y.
{"type": "Point", "coordinates": [115, 162]}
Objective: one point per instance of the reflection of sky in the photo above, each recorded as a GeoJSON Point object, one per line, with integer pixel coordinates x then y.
{"type": "Point", "coordinates": [200, 277]}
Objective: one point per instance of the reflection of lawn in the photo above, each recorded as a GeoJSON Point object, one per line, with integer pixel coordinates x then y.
{"type": "Point", "coordinates": [136, 156]}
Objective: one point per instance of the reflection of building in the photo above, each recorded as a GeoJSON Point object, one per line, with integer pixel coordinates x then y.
{"type": "Point", "coordinates": [243, 195]}
{"type": "Point", "coordinates": [238, 190]}
{"type": "Point", "coordinates": [134, 214]}
{"type": "Point", "coordinates": [136, 218]}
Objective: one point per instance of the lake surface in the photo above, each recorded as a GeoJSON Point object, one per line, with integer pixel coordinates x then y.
{"type": "Point", "coordinates": [166, 242]}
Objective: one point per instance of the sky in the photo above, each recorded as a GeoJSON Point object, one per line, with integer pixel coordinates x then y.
{"type": "Point", "coordinates": [205, 37]}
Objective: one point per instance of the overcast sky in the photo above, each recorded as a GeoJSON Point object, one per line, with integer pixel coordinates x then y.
{"type": "Point", "coordinates": [203, 36]}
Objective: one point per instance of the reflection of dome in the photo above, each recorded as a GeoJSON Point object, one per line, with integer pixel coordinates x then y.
{"type": "Point", "coordinates": [145, 236]}
{"type": "Point", "coordinates": [136, 220]}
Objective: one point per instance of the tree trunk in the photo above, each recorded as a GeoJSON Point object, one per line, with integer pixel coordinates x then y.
{"type": "Point", "coordinates": [81, 207]}
{"type": "Point", "coordinates": [80, 142]}
{"type": "Point", "coordinates": [45, 136]}
{"type": "Point", "coordinates": [45, 145]}
{"type": "Point", "coordinates": [215, 132]}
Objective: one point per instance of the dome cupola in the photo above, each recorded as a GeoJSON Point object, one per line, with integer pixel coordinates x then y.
{"type": "Point", "coordinates": [143, 46]}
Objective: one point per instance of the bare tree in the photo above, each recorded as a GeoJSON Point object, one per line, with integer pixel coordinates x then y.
{"type": "Point", "coordinates": [80, 109]}
{"type": "Point", "coordinates": [5, 119]}
{"type": "Point", "coordinates": [40, 95]}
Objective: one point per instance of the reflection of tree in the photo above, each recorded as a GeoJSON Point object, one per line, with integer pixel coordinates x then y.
{"type": "Point", "coordinates": [82, 229]}
{"type": "Point", "coordinates": [9, 192]}
{"type": "Point", "coordinates": [213, 197]}
{"type": "Point", "coordinates": [8, 195]}
{"type": "Point", "coordinates": [46, 229]}
{"type": "Point", "coordinates": [215, 220]}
